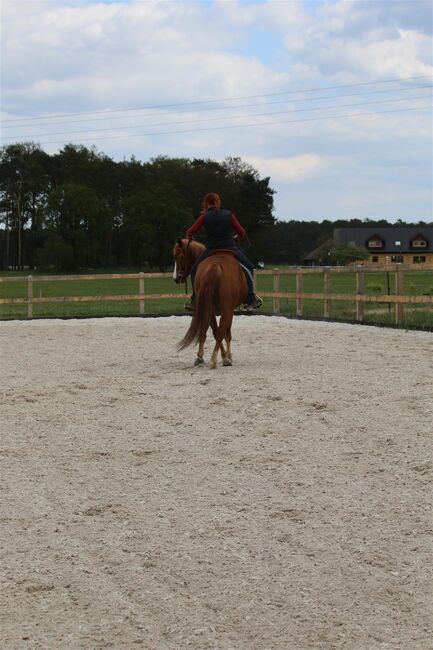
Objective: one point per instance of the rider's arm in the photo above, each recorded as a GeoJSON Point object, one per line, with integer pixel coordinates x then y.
{"type": "Point", "coordinates": [195, 226]}
{"type": "Point", "coordinates": [238, 228]}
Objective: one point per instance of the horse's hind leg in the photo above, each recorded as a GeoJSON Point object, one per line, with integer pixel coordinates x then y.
{"type": "Point", "coordinates": [218, 343]}
{"type": "Point", "coordinates": [226, 356]}
{"type": "Point", "coordinates": [225, 329]}
{"type": "Point", "coordinates": [199, 359]}
{"type": "Point", "coordinates": [214, 357]}
{"type": "Point", "coordinates": [229, 349]}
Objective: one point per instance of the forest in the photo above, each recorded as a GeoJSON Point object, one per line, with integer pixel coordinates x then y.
{"type": "Point", "coordinates": [79, 209]}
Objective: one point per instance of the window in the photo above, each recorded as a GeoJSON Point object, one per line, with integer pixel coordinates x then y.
{"type": "Point", "coordinates": [397, 259]}
{"type": "Point", "coordinates": [374, 258]}
{"type": "Point", "coordinates": [398, 243]}
{"type": "Point", "coordinates": [419, 243]}
{"type": "Point", "coordinates": [375, 242]}
{"type": "Point", "coordinates": [419, 259]}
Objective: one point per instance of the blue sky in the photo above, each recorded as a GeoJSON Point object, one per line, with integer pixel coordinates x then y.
{"type": "Point", "coordinates": [361, 147]}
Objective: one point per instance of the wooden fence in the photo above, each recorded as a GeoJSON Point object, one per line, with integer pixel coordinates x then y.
{"type": "Point", "coordinates": [399, 299]}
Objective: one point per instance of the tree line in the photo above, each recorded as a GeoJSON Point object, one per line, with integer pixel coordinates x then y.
{"type": "Point", "coordinates": [79, 209]}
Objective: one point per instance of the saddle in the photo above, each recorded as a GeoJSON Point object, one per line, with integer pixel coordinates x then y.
{"type": "Point", "coordinates": [222, 251]}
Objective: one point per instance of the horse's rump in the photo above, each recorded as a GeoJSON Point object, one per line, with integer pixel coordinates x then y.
{"type": "Point", "coordinates": [232, 286]}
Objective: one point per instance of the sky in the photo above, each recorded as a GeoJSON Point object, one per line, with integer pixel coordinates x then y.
{"type": "Point", "coordinates": [331, 99]}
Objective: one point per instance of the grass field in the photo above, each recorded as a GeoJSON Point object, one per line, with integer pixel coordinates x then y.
{"type": "Point", "coordinates": [376, 283]}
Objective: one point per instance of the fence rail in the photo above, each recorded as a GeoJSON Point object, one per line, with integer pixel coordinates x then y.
{"type": "Point", "coordinates": [399, 299]}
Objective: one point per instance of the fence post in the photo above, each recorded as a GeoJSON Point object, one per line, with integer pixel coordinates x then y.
{"type": "Point", "coordinates": [276, 301]}
{"type": "Point", "coordinates": [141, 292]}
{"type": "Point", "coordinates": [30, 296]}
{"type": "Point", "coordinates": [399, 306]}
{"type": "Point", "coordinates": [299, 290]}
{"type": "Point", "coordinates": [327, 290]}
{"type": "Point", "coordinates": [360, 291]}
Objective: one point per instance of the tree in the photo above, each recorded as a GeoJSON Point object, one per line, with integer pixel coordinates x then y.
{"type": "Point", "coordinates": [24, 186]}
{"type": "Point", "coordinates": [80, 208]}
{"type": "Point", "coordinates": [76, 214]}
{"type": "Point", "coordinates": [152, 222]}
{"type": "Point", "coordinates": [344, 254]}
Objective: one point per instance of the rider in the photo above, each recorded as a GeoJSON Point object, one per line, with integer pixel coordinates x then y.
{"type": "Point", "coordinates": [219, 225]}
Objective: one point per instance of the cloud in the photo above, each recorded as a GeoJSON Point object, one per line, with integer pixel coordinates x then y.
{"type": "Point", "coordinates": [292, 170]}
{"type": "Point", "coordinates": [99, 56]}
{"type": "Point", "coordinates": [352, 39]}
{"type": "Point", "coordinates": [374, 58]}
{"type": "Point", "coordinates": [123, 54]}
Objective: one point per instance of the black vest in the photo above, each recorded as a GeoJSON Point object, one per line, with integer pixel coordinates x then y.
{"type": "Point", "coordinates": [219, 229]}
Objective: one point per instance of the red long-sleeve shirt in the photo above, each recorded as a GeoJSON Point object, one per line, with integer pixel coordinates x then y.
{"type": "Point", "coordinates": [239, 230]}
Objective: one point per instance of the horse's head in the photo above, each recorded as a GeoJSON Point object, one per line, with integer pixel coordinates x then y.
{"type": "Point", "coordinates": [185, 253]}
{"type": "Point", "coordinates": [180, 254]}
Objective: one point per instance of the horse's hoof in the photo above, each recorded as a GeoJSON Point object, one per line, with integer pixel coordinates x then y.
{"type": "Point", "coordinates": [199, 361]}
{"type": "Point", "coordinates": [227, 362]}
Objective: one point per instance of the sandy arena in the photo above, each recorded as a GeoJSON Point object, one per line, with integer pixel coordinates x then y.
{"type": "Point", "coordinates": [282, 503]}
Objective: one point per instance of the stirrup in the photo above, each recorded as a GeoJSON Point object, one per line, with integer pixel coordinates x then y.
{"type": "Point", "coordinates": [256, 303]}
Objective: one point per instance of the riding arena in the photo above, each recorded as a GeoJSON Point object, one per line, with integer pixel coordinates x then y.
{"type": "Point", "coordinates": [280, 503]}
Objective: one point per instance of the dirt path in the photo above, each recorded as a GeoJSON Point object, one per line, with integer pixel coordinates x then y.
{"type": "Point", "coordinates": [283, 503]}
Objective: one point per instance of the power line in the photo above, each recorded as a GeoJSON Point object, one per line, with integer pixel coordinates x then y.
{"type": "Point", "coordinates": [241, 126]}
{"type": "Point", "coordinates": [250, 105]}
{"type": "Point", "coordinates": [231, 117]}
{"type": "Point", "coordinates": [213, 101]}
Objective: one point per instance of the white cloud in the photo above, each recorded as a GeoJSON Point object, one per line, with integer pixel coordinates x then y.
{"type": "Point", "coordinates": [143, 52]}
{"type": "Point", "coordinates": [348, 40]}
{"type": "Point", "coordinates": [292, 170]}
{"type": "Point", "coordinates": [374, 58]}
{"type": "Point", "coordinates": [94, 56]}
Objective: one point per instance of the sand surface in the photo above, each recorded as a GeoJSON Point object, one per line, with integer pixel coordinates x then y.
{"type": "Point", "coordinates": [284, 502]}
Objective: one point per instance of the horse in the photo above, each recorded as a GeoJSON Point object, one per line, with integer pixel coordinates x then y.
{"type": "Point", "coordinates": [185, 253]}
{"type": "Point", "coordinates": [220, 287]}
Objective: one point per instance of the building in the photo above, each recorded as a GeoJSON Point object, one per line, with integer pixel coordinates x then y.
{"type": "Point", "coordinates": [392, 244]}
{"type": "Point", "coordinates": [319, 256]}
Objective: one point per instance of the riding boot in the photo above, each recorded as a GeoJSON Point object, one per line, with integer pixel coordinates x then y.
{"type": "Point", "coordinates": [189, 305]}
{"type": "Point", "coordinates": [252, 301]}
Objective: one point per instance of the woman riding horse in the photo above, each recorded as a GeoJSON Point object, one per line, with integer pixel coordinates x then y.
{"type": "Point", "coordinates": [219, 225]}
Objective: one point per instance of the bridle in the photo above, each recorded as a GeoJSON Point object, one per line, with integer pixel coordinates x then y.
{"type": "Point", "coordinates": [183, 270]}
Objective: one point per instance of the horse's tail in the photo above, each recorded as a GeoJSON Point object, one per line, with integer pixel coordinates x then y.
{"type": "Point", "coordinates": [204, 307]}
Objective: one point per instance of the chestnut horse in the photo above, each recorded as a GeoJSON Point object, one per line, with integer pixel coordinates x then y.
{"type": "Point", "coordinates": [220, 287]}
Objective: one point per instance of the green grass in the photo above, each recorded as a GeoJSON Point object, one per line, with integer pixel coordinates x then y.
{"type": "Point", "coordinates": [415, 283]}
{"type": "Point", "coordinates": [376, 283]}
{"type": "Point", "coordinates": [90, 288]}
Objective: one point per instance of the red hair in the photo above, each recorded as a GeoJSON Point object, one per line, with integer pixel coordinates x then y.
{"type": "Point", "coordinates": [211, 200]}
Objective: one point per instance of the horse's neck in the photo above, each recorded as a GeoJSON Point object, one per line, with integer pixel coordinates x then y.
{"type": "Point", "coordinates": [194, 250]}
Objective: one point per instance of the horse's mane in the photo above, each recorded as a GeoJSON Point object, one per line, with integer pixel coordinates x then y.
{"type": "Point", "coordinates": [193, 245]}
